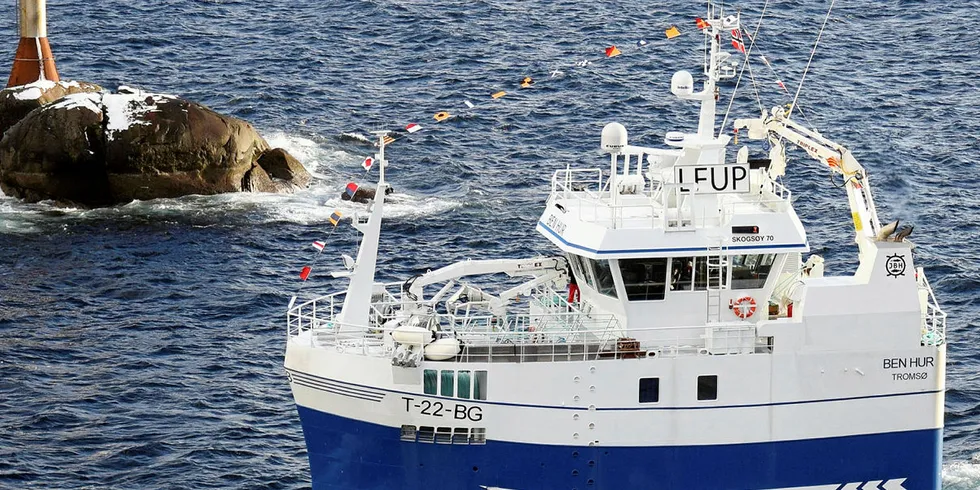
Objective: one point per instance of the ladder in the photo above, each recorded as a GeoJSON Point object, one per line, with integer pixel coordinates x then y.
{"type": "Point", "coordinates": [717, 270]}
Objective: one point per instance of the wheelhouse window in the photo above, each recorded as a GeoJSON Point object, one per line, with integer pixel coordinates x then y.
{"type": "Point", "coordinates": [603, 277]}
{"type": "Point", "coordinates": [644, 279]}
{"type": "Point", "coordinates": [681, 273]}
{"type": "Point", "coordinates": [649, 390]}
{"type": "Point", "coordinates": [708, 387]}
{"type": "Point", "coordinates": [751, 271]}
{"type": "Point", "coordinates": [582, 270]}
{"type": "Point", "coordinates": [708, 272]}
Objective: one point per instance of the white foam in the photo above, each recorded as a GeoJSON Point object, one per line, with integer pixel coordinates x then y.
{"type": "Point", "coordinates": [961, 476]}
{"type": "Point", "coordinates": [312, 206]}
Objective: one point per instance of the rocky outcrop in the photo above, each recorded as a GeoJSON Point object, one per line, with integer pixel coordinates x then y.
{"type": "Point", "coordinates": [364, 195]}
{"type": "Point", "coordinates": [17, 102]}
{"type": "Point", "coordinates": [274, 169]}
{"type": "Point", "coordinates": [97, 149]}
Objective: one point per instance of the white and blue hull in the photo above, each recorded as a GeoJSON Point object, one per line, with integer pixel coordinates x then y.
{"type": "Point", "coordinates": [853, 423]}
{"type": "Point", "coordinates": [351, 454]}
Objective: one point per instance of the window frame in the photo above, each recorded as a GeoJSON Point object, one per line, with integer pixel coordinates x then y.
{"type": "Point", "coordinates": [605, 290]}
{"type": "Point", "coordinates": [703, 286]}
{"type": "Point", "coordinates": [434, 385]}
{"type": "Point", "coordinates": [760, 261]}
{"type": "Point", "coordinates": [670, 273]}
{"type": "Point", "coordinates": [646, 389]}
{"type": "Point", "coordinates": [665, 269]}
{"type": "Point", "coordinates": [581, 269]}
{"type": "Point", "coordinates": [714, 388]}
{"type": "Point", "coordinates": [450, 376]}
{"type": "Point", "coordinates": [480, 384]}
{"type": "Point", "coordinates": [460, 393]}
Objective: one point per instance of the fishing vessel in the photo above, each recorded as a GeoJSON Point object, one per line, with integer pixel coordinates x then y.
{"type": "Point", "coordinates": [682, 336]}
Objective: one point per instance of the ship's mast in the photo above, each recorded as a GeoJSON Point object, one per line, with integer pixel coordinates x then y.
{"type": "Point", "coordinates": [708, 96]}
{"type": "Point", "coordinates": [357, 303]}
{"type": "Point", "coordinates": [716, 67]}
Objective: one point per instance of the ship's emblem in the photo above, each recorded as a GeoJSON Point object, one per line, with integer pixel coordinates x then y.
{"type": "Point", "coordinates": [895, 265]}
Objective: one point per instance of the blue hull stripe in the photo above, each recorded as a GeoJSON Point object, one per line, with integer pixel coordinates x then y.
{"type": "Point", "coordinates": [620, 409]}
{"type": "Point", "coordinates": [791, 246]}
{"type": "Point", "coordinates": [351, 454]}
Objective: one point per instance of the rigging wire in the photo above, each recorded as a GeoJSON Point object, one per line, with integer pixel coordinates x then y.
{"type": "Point", "coordinates": [755, 87]}
{"type": "Point", "coordinates": [812, 52]}
{"type": "Point", "coordinates": [779, 78]}
{"type": "Point", "coordinates": [745, 63]}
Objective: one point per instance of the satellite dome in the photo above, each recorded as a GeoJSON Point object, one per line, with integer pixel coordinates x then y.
{"type": "Point", "coordinates": [614, 138]}
{"type": "Point", "coordinates": [682, 83]}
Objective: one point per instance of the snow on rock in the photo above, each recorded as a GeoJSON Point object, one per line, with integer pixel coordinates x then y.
{"type": "Point", "coordinates": [88, 101]}
{"type": "Point", "coordinates": [17, 102]}
{"type": "Point", "coordinates": [129, 107]}
{"type": "Point", "coordinates": [34, 90]}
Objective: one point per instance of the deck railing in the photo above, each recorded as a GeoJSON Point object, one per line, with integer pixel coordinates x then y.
{"type": "Point", "coordinates": [561, 333]}
{"type": "Point", "coordinates": [665, 205]}
{"type": "Point", "coordinates": [933, 317]}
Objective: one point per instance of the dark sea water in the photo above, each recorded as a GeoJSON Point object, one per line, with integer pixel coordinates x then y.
{"type": "Point", "coordinates": [141, 345]}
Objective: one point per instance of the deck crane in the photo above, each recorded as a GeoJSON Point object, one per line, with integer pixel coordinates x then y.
{"type": "Point", "coordinates": [776, 126]}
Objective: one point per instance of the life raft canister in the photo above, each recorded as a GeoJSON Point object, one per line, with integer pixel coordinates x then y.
{"type": "Point", "coordinates": [744, 307]}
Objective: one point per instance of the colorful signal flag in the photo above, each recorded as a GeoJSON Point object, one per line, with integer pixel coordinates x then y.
{"type": "Point", "coordinates": [350, 190]}
{"type": "Point", "coordinates": [334, 219]}
{"type": "Point", "coordinates": [612, 51]}
{"type": "Point", "coordinates": [319, 245]}
{"type": "Point", "coordinates": [388, 140]}
{"type": "Point", "coordinates": [701, 23]}
{"type": "Point", "coordinates": [737, 40]}
{"type": "Point", "coordinates": [305, 273]}
{"type": "Point", "coordinates": [411, 128]}
{"type": "Point", "coordinates": [368, 163]}
{"type": "Point", "coordinates": [672, 32]}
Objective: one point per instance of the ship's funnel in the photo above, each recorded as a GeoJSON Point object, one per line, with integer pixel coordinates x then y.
{"type": "Point", "coordinates": [33, 60]}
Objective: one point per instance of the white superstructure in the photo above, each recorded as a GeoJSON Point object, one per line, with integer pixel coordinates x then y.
{"type": "Point", "coordinates": [701, 350]}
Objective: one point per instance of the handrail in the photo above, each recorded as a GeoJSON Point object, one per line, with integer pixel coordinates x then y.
{"type": "Point", "coordinates": [933, 317]}
{"type": "Point", "coordinates": [562, 332]}
{"type": "Point", "coordinates": [586, 186]}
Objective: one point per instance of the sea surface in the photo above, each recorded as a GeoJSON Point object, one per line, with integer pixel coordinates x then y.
{"type": "Point", "coordinates": [141, 346]}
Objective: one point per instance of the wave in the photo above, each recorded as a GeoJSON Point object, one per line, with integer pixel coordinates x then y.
{"type": "Point", "coordinates": [961, 476]}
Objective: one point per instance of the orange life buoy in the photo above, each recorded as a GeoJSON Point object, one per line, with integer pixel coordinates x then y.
{"type": "Point", "coordinates": [744, 307]}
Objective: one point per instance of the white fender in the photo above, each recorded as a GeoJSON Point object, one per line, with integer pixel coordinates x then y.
{"type": "Point", "coordinates": [442, 349]}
